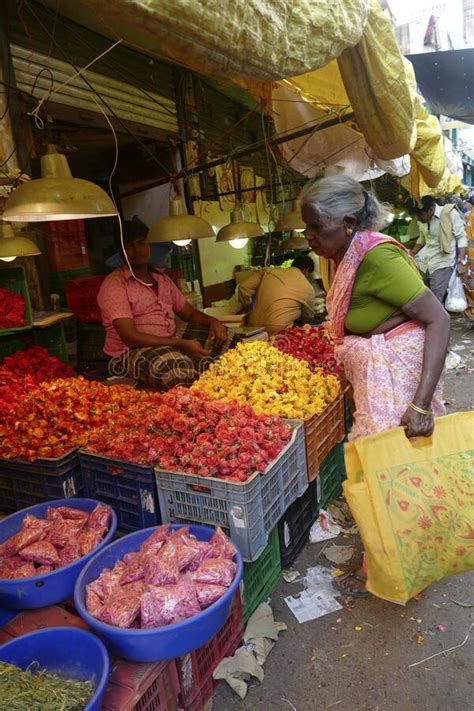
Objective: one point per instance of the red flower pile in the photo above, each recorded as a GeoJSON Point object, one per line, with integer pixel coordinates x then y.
{"type": "Point", "coordinates": [12, 309]}
{"type": "Point", "coordinates": [189, 432]}
{"type": "Point", "coordinates": [171, 578]}
{"type": "Point", "coordinates": [53, 418]}
{"type": "Point", "coordinates": [312, 344]}
{"type": "Point", "coordinates": [20, 372]}
{"type": "Point", "coordinates": [43, 545]}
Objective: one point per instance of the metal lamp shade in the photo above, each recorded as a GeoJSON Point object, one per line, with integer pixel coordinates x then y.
{"type": "Point", "coordinates": [239, 229]}
{"type": "Point", "coordinates": [179, 225]}
{"type": "Point", "coordinates": [291, 220]}
{"type": "Point", "coordinates": [12, 245]}
{"type": "Point", "coordinates": [57, 195]}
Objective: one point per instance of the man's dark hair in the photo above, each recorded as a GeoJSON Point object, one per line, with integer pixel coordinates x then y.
{"type": "Point", "coordinates": [134, 229]}
{"type": "Point", "coordinates": [427, 202]}
{"type": "Point", "coordinates": [303, 262]}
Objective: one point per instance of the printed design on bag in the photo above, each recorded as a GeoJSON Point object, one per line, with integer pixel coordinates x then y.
{"type": "Point", "coordinates": [431, 506]}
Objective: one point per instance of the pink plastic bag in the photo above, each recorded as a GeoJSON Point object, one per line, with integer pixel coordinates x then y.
{"type": "Point", "coordinates": [21, 540]}
{"type": "Point", "coordinates": [169, 604]}
{"type": "Point", "coordinates": [41, 552]}
{"type": "Point", "coordinates": [62, 532]}
{"type": "Point", "coordinates": [215, 572]}
{"type": "Point", "coordinates": [161, 570]}
{"type": "Point", "coordinates": [99, 519]}
{"type": "Point", "coordinates": [93, 602]}
{"type": "Point", "coordinates": [123, 606]}
{"type": "Point", "coordinates": [44, 570]}
{"type": "Point", "coordinates": [181, 549]}
{"type": "Point", "coordinates": [156, 540]}
{"type": "Point", "coordinates": [10, 567]}
{"type": "Point", "coordinates": [223, 547]}
{"type": "Point", "coordinates": [69, 553]}
{"type": "Point", "coordinates": [208, 594]}
{"type": "Point", "coordinates": [88, 540]}
{"type": "Point", "coordinates": [206, 551]}
{"type": "Point", "coordinates": [68, 513]}
{"type": "Point", "coordinates": [32, 523]}
{"type": "Point", "coordinates": [135, 567]}
{"type": "Point", "coordinates": [27, 570]}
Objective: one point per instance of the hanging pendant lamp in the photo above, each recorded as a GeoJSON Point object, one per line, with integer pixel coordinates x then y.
{"type": "Point", "coordinates": [239, 231]}
{"type": "Point", "coordinates": [57, 195]}
{"type": "Point", "coordinates": [291, 220]}
{"type": "Point", "coordinates": [13, 246]}
{"type": "Point", "coordinates": [180, 227]}
{"type": "Point", "coordinates": [295, 242]}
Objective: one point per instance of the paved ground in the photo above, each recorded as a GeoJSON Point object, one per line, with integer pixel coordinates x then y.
{"type": "Point", "coordinates": [327, 664]}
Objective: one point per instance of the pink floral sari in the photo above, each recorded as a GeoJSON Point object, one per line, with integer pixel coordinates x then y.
{"type": "Point", "coordinates": [383, 370]}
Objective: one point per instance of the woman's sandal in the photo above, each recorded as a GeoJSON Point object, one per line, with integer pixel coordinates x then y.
{"type": "Point", "coordinates": [353, 592]}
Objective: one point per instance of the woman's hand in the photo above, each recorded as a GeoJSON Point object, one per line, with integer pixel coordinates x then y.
{"type": "Point", "coordinates": [217, 332]}
{"type": "Point", "coordinates": [417, 425]}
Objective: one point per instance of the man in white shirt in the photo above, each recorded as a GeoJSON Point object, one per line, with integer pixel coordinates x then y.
{"type": "Point", "coordinates": [445, 242]}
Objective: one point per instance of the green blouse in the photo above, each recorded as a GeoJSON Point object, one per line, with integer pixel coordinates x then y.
{"type": "Point", "coordinates": [384, 283]}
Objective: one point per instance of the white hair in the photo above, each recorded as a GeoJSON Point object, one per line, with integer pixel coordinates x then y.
{"type": "Point", "coordinates": [335, 197]}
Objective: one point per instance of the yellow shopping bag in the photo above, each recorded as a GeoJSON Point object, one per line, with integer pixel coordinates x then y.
{"type": "Point", "coordinates": [413, 501]}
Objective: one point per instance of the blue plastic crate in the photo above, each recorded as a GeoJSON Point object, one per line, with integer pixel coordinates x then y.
{"type": "Point", "coordinates": [246, 511]}
{"type": "Point", "coordinates": [129, 488]}
{"type": "Point", "coordinates": [24, 484]}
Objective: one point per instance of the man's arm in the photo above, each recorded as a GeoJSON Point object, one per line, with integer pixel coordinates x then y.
{"type": "Point", "coordinates": [217, 330]}
{"type": "Point", "coordinates": [132, 338]}
{"type": "Point", "coordinates": [249, 287]}
{"type": "Point", "coordinates": [459, 234]}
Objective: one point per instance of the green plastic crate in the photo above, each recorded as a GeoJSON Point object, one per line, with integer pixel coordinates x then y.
{"type": "Point", "coordinates": [13, 279]}
{"type": "Point", "coordinates": [58, 280]}
{"type": "Point", "coordinates": [90, 342]}
{"type": "Point", "coordinates": [331, 475]}
{"type": "Point", "coordinates": [261, 576]}
{"type": "Point", "coordinates": [53, 339]}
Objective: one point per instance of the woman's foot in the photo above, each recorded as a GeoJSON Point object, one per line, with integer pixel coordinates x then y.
{"type": "Point", "coordinates": [353, 583]}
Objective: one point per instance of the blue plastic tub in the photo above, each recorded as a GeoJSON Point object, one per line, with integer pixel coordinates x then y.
{"type": "Point", "coordinates": [65, 651]}
{"type": "Point", "coordinates": [163, 643]}
{"type": "Point", "coordinates": [49, 589]}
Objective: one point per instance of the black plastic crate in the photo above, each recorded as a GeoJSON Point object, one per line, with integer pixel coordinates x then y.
{"type": "Point", "coordinates": [331, 476]}
{"type": "Point", "coordinates": [130, 489]}
{"type": "Point", "coordinates": [24, 484]}
{"type": "Point", "coordinates": [294, 526]}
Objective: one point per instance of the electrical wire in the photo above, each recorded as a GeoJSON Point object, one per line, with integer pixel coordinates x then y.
{"type": "Point", "coordinates": [111, 175]}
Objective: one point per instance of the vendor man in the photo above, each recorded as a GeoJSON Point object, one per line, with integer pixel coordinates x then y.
{"type": "Point", "coordinates": [281, 296]}
{"type": "Point", "coordinates": [138, 307]}
{"type": "Point", "coordinates": [442, 232]}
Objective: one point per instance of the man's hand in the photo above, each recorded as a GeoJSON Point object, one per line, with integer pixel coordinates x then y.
{"type": "Point", "coordinates": [194, 350]}
{"type": "Point", "coordinates": [461, 268]}
{"type": "Point", "coordinates": [217, 332]}
{"type": "Point", "coordinates": [417, 425]}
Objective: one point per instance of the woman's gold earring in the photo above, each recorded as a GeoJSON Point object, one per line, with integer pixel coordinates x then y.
{"type": "Point", "coordinates": [349, 231]}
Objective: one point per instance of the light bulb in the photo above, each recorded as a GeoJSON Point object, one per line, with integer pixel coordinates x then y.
{"type": "Point", "coordinates": [299, 229]}
{"type": "Point", "coordinates": [238, 243]}
{"type": "Point", "coordinates": [390, 217]}
{"type": "Point", "coordinates": [182, 242]}
{"type": "Point", "coordinates": [8, 259]}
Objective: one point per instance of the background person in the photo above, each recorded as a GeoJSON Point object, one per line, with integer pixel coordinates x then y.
{"type": "Point", "coordinates": [138, 312]}
{"type": "Point", "coordinates": [445, 240]}
{"type": "Point", "coordinates": [391, 333]}
{"type": "Point", "coordinates": [282, 296]}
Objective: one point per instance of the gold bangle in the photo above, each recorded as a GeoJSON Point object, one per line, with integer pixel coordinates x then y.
{"type": "Point", "coordinates": [420, 409]}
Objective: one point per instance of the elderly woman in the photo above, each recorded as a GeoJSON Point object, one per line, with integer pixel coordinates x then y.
{"type": "Point", "coordinates": [392, 333]}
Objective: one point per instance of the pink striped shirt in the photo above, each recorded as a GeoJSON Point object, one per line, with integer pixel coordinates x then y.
{"type": "Point", "coordinates": [122, 296]}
